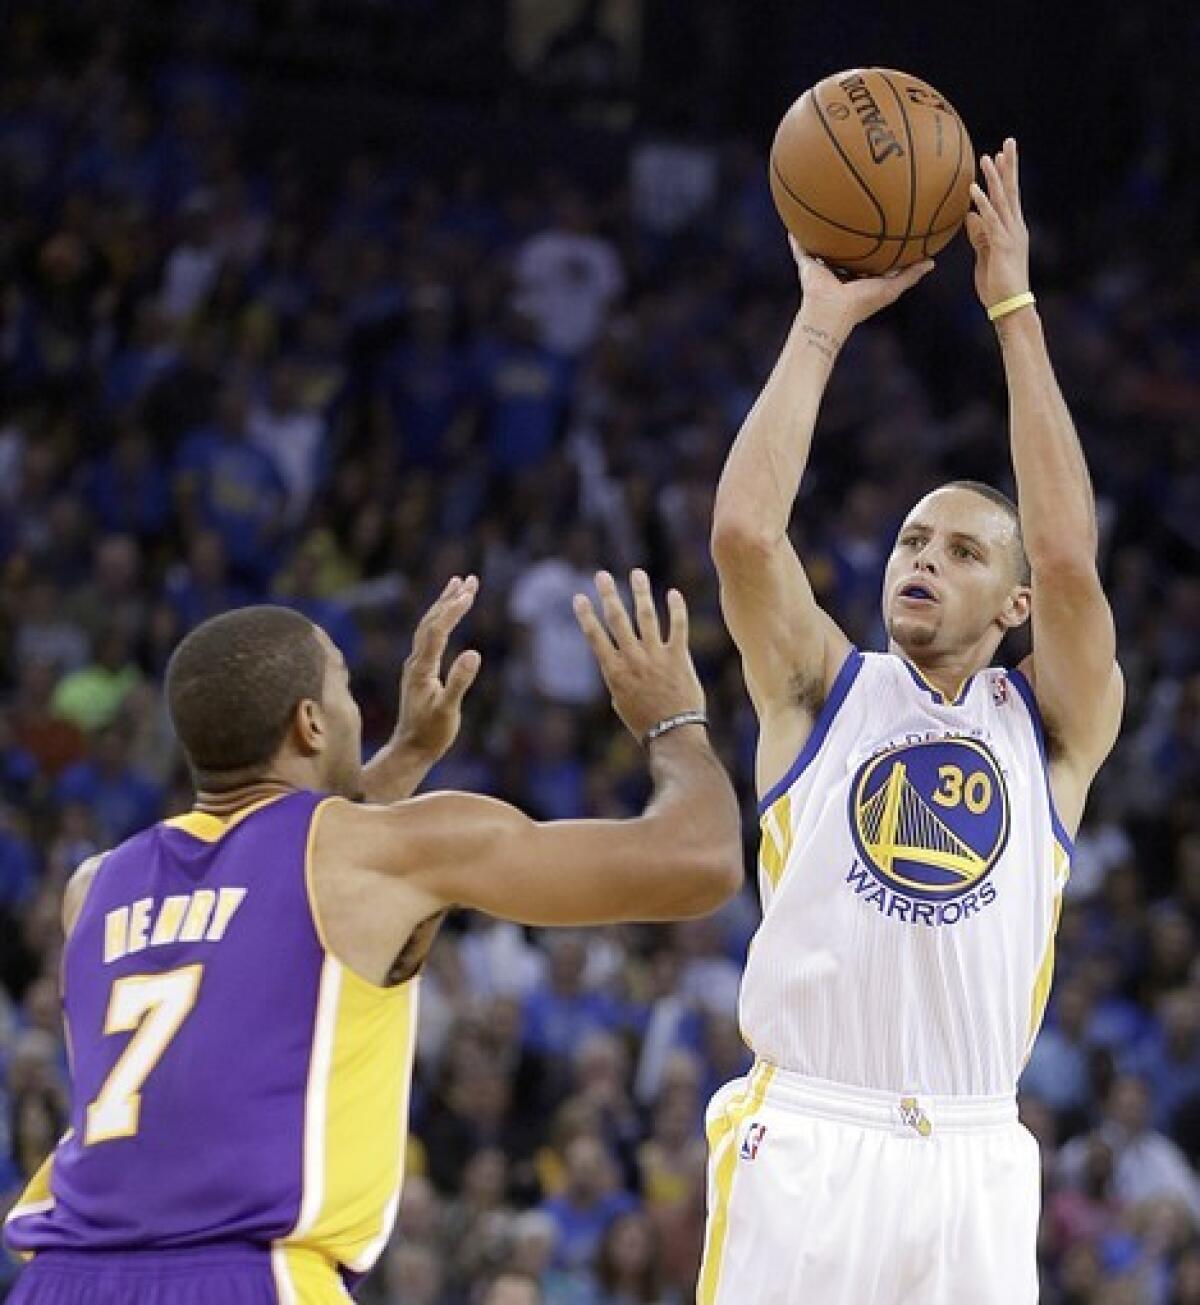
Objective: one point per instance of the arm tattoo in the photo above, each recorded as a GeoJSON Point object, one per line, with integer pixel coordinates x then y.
{"type": "Point", "coordinates": [822, 341]}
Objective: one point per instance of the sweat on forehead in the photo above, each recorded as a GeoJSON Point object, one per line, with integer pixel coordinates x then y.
{"type": "Point", "coordinates": [964, 511]}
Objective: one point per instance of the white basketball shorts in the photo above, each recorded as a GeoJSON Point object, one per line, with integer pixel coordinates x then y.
{"type": "Point", "coordinates": [820, 1194]}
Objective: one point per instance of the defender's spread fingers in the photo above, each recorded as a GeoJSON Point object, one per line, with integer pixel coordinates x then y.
{"type": "Point", "coordinates": [643, 606]}
{"type": "Point", "coordinates": [593, 631]}
{"type": "Point", "coordinates": [615, 615]}
{"type": "Point", "coordinates": [677, 608]}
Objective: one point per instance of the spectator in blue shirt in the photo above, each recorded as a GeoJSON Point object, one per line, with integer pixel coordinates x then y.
{"type": "Point", "coordinates": [588, 1204]}
{"type": "Point", "coordinates": [123, 800]}
{"type": "Point", "coordinates": [426, 382]}
{"type": "Point", "coordinates": [1057, 1071]}
{"type": "Point", "coordinates": [523, 388]}
{"type": "Point", "coordinates": [18, 862]}
{"type": "Point", "coordinates": [201, 587]}
{"type": "Point", "coordinates": [299, 588]}
{"type": "Point", "coordinates": [226, 484]}
{"type": "Point", "coordinates": [1169, 1057]}
{"type": "Point", "coordinates": [556, 1019]}
{"type": "Point", "coordinates": [127, 486]}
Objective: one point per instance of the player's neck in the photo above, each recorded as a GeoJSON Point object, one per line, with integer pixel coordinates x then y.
{"type": "Point", "coordinates": [227, 802]}
{"type": "Point", "coordinates": [945, 672]}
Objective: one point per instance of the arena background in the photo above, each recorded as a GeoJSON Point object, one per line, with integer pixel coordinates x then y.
{"type": "Point", "coordinates": [325, 302]}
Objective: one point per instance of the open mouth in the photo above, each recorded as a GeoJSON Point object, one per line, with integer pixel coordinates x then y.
{"type": "Point", "coordinates": [916, 593]}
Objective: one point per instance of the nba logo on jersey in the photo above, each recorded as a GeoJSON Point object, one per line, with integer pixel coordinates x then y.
{"type": "Point", "coordinates": [999, 683]}
{"type": "Point", "coordinates": [755, 1133]}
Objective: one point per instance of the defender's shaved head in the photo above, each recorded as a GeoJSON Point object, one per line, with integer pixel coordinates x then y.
{"type": "Point", "coordinates": [233, 686]}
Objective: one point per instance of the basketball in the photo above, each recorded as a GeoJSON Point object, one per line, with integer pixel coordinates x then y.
{"type": "Point", "coordinates": [871, 170]}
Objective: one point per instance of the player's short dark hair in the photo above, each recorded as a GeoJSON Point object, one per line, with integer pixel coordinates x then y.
{"type": "Point", "coordinates": [233, 685]}
{"type": "Point", "coordinates": [993, 495]}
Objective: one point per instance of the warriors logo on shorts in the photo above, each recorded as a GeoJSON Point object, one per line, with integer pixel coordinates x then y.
{"type": "Point", "coordinates": [930, 820]}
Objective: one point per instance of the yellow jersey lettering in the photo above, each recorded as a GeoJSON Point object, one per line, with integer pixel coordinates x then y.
{"type": "Point", "coordinates": [116, 934]}
{"type": "Point", "coordinates": [227, 903]}
{"type": "Point", "coordinates": [170, 919]}
{"type": "Point", "coordinates": [139, 925]}
{"type": "Point", "coordinates": [198, 915]}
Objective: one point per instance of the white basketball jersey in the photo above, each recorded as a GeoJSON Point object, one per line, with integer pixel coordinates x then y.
{"type": "Point", "coordinates": [911, 870]}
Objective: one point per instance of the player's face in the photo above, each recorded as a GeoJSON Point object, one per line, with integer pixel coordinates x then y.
{"type": "Point", "coordinates": [951, 577]}
{"type": "Point", "coordinates": [341, 763]}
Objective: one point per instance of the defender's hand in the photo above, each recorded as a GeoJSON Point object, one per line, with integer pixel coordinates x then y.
{"type": "Point", "coordinates": [997, 231]}
{"type": "Point", "coordinates": [839, 306]}
{"type": "Point", "coordinates": [430, 708]}
{"type": "Point", "coordinates": [649, 677]}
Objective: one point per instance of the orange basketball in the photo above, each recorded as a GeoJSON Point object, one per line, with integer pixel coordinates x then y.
{"type": "Point", "coordinates": [871, 170]}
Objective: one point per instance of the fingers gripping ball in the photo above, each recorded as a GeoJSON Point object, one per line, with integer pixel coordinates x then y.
{"type": "Point", "coordinates": [871, 170]}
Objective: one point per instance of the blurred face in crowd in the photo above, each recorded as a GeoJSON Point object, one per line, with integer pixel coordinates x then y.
{"type": "Point", "coordinates": [952, 582]}
{"type": "Point", "coordinates": [631, 1245]}
{"type": "Point", "coordinates": [1129, 1105]}
{"type": "Point", "coordinates": [513, 1289]}
{"type": "Point", "coordinates": [568, 955]}
{"type": "Point", "coordinates": [414, 1275]}
{"type": "Point", "coordinates": [588, 1170]}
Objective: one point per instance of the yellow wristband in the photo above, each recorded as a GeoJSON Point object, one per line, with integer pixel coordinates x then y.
{"type": "Point", "coordinates": [1006, 306]}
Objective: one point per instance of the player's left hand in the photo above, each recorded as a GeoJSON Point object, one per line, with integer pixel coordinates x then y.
{"type": "Point", "coordinates": [996, 229]}
{"type": "Point", "coordinates": [430, 707]}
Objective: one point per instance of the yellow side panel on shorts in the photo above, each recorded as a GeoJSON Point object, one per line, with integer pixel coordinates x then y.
{"type": "Point", "coordinates": [722, 1141]}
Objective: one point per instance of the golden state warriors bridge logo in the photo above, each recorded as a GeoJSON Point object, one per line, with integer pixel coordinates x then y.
{"type": "Point", "coordinates": [930, 820]}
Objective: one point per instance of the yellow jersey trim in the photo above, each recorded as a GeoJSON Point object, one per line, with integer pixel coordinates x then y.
{"type": "Point", "coordinates": [1045, 971]}
{"type": "Point", "coordinates": [776, 844]}
{"type": "Point", "coordinates": [37, 1198]}
{"type": "Point", "coordinates": [355, 1121]}
{"type": "Point", "coordinates": [956, 699]}
{"type": "Point", "coordinates": [209, 828]}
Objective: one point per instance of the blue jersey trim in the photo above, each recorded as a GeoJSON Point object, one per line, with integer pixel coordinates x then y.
{"type": "Point", "coordinates": [812, 745]}
{"type": "Point", "coordinates": [1025, 689]}
{"type": "Point", "coordinates": [934, 692]}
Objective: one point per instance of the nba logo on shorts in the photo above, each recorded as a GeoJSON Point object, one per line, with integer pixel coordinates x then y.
{"type": "Point", "coordinates": [753, 1140]}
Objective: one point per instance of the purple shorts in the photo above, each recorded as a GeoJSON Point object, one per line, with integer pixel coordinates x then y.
{"type": "Point", "coordinates": [225, 1275]}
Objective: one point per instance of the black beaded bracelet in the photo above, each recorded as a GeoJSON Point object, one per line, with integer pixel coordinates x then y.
{"type": "Point", "coordinates": [673, 723]}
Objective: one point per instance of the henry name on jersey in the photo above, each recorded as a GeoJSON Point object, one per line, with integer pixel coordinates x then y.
{"type": "Point", "coordinates": [929, 814]}
{"type": "Point", "coordinates": [200, 916]}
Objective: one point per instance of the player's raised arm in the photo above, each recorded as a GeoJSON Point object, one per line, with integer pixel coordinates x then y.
{"type": "Point", "coordinates": [1074, 672]}
{"type": "Point", "coordinates": [681, 857]}
{"type": "Point", "coordinates": [791, 650]}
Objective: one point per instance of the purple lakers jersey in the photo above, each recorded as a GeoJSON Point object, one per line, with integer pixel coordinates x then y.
{"type": "Point", "coordinates": [232, 1081]}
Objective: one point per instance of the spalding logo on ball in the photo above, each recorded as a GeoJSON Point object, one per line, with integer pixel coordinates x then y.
{"type": "Point", "coordinates": [871, 170]}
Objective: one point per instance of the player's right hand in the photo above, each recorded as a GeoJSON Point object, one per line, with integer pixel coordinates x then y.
{"type": "Point", "coordinates": [649, 677]}
{"type": "Point", "coordinates": [839, 305]}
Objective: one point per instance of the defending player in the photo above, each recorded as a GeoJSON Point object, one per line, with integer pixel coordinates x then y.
{"type": "Point", "coordinates": [237, 980]}
{"type": "Point", "coordinates": [917, 812]}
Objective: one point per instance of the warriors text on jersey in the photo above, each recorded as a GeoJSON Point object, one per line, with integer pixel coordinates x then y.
{"type": "Point", "coordinates": [912, 869]}
{"type": "Point", "coordinates": [232, 1081]}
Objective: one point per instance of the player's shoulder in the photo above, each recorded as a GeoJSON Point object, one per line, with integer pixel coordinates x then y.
{"type": "Point", "coordinates": [78, 887]}
{"type": "Point", "coordinates": [399, 837]}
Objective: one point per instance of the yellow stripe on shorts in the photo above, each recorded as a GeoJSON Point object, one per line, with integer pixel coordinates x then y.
{"type": "Point", "coordinates": [722, 1141]}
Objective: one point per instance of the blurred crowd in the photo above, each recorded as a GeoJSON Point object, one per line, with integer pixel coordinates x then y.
{"type": "Point", "coordinates": [232, 371]}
